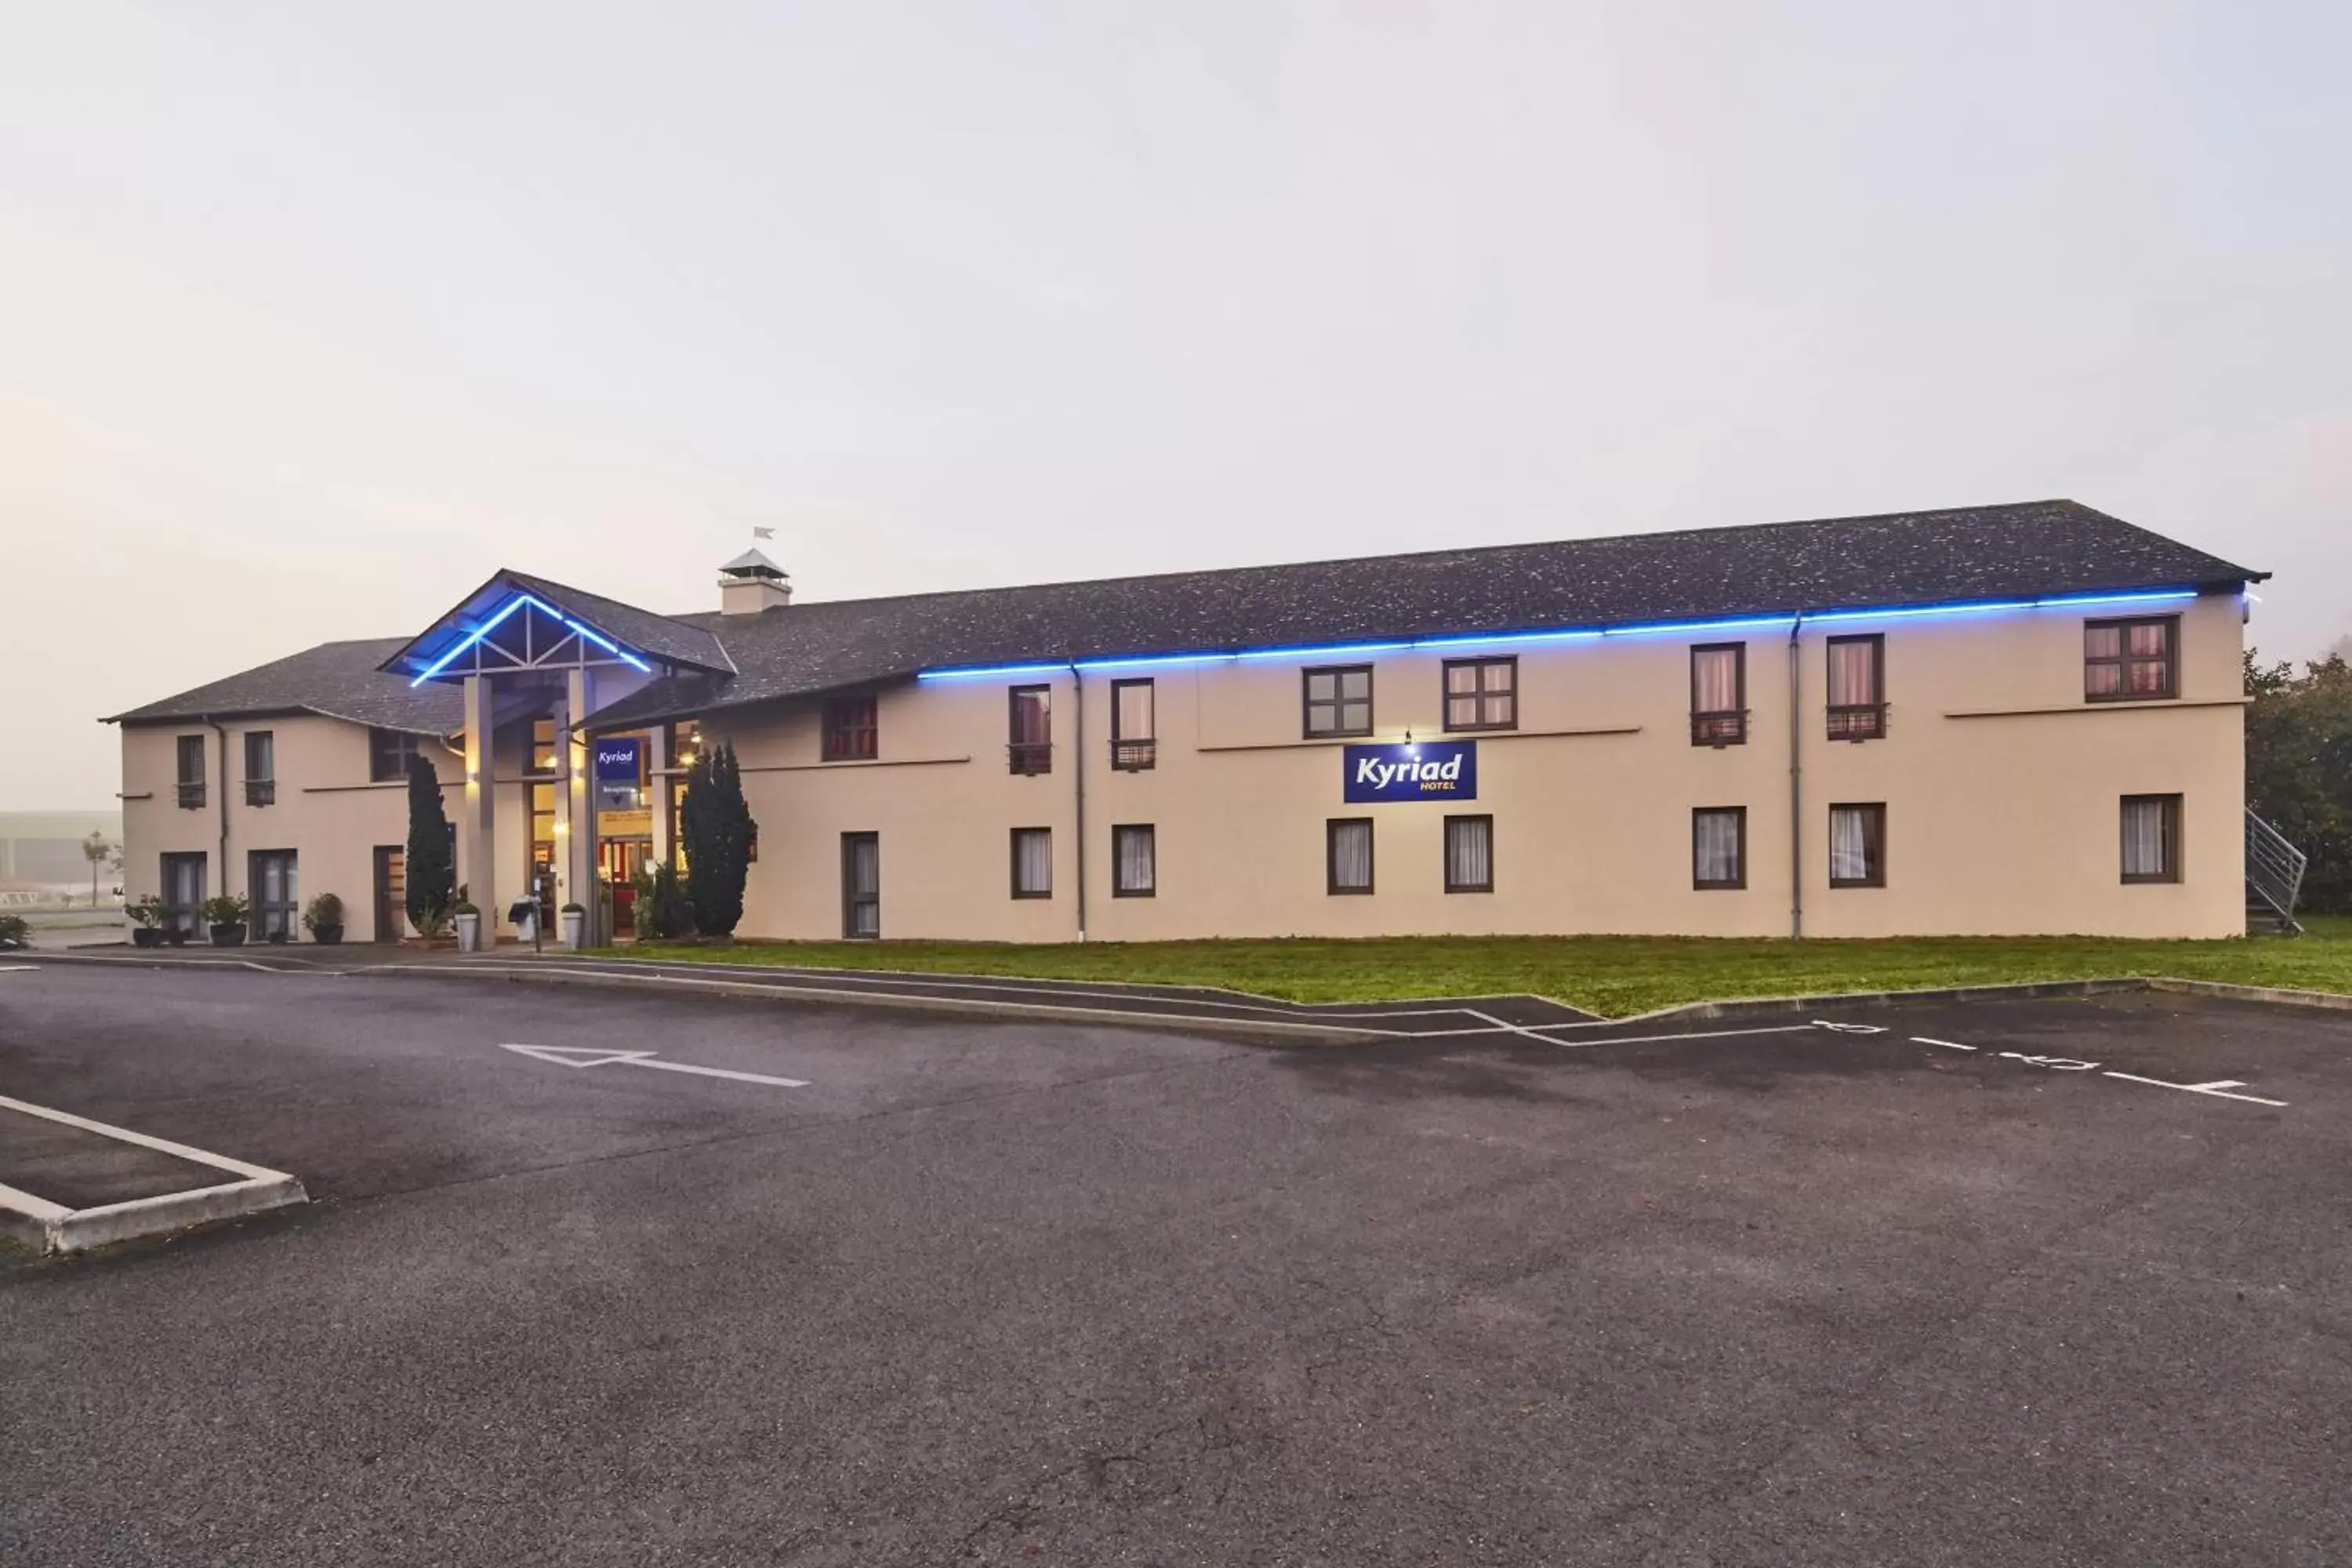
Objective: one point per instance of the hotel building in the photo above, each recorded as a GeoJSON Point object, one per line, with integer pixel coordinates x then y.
{"type": "Point", "coordinates": [1995, 720]}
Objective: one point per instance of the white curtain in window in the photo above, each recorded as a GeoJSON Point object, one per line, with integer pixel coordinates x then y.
{"type": "Point", "coordinates": [1715, 680]}
{"type": "Point", "coordinates": [1853, 674]}
{"type": "Point", "coordinates": [1033, 857]}
{"type": "Point", "coordinates": [2144, 837]}
{"type": "Point", "coordinates": [1132, 720]}
{"type": "Point", "coordinates": [1716, 846]}
{"type": "Point", "coordinates": [1469, 853]}
{"type": "Point", "coordinates": [1136, 869]}
{"type": "Point", "coordinates": [1849, 844]}
{"type": "Point", "coordinates": [1351, 855]}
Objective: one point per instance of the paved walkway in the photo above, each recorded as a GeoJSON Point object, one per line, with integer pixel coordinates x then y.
{"type": "Point", "coordinates": [1436, 1016]}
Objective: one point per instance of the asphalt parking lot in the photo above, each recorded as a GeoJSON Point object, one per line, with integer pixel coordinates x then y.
{"type": "Point", "coordinates": [713, 1281]}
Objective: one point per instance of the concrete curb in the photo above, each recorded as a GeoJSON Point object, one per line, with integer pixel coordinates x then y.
{"type": "Point", "coordinates": [51, 1227]}
{"type": "Point", "coordinates": [1044, 1010]}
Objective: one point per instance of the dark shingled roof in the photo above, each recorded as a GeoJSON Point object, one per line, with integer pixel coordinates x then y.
{"type": "Point", "coordinates": [339, 680]}
{"type": "Point", "coordinates": [2026, 551]}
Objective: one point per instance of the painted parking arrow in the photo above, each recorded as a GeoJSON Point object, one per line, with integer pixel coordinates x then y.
{"type": "Point", "coordinates": [596, 1057]}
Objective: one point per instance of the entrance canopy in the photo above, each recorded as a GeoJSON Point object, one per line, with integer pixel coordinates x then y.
{"type": "Point", "coordinates": [516, 622]}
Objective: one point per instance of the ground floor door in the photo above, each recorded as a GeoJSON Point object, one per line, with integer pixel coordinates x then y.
{"type": "Point", "coordinates": [618, 862]}
{"type": "Point", "coordinates": [861, 885]}
{"type": "Point", "coordinates": [277, 895]}
{"type": "Point", "coordinates": [184, 891]}
{"type": "Point", "coordinates": [391, 892]}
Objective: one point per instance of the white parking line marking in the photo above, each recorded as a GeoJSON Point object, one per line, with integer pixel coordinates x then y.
{"type": "Point", "coordinates": [1849, 1028]}
{"type": "Point", "coordinates": [1700, 1034]}
{"type": "Point", "coordinates": [1948, 1045]}
{"type": "Point", "coordinates": [589, 1056]}
{"type": "Point", "coordinates": [19, 968]}
{"type": "Point", "coordinates": [2218, 1088]}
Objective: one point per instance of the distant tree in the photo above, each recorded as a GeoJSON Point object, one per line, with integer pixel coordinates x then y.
{"type": "Point", "coordinates": [97, 851]}
{"type": "Point", "coordinates": [432, 863]}
{"type": "Point", "coordinates": [717, 825]}
{"type": "Point", "coordinates": [2340, 649]}
{"type": "Point", "coordinates": [2299, 767]}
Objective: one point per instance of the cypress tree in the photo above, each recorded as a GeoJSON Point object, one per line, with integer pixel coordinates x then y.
{"type": "Point", "coordinates": [717, 824]}
{"type": "Point", "coordinates": [432, 864]}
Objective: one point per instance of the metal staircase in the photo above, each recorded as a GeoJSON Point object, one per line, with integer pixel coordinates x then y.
{"type": "Point", "coordinates": [2274, 878]}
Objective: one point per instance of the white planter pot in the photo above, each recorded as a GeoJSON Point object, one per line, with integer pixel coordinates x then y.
{"type": "Point", "coordinates": [575, 927]}
{"type": "Point", "coordinates": [470, 933]}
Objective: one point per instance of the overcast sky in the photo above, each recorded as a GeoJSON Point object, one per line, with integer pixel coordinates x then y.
{"type": "Point", "coordinates": [313, 315]}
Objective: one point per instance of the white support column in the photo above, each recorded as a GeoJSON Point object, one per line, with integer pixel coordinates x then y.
{"type": "Point", "coordinates": [477, 829]}
{"type": "Point", "coordinates": [663, 792]}
{"type": "Point", "coordinates": [576, 803]}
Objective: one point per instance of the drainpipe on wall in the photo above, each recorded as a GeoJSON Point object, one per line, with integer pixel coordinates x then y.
{"type": "Point", "coordinates": [1079, 696]}
{"type": "Point", "coordinates": [1796, 783]}
{"type": "Point", "coordinates": [222, 733]}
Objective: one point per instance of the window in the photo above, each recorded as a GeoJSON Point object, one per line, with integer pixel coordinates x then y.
{"type": "Point", "coordinates": [542, 814]}
{"type": "Point", "coordinates": [389, 754]}
{"type": "Point", "coordinates": [861, 886]}
{"type": "Point", "coordinates": [1482, 694]}
{"type": "Point", "coordinates": [2131, 660]}
{"type": "Point", "coordinates": [1469, 854]}
{"type": "Point", "coordinates": [2151, 824]}
{"type": "Point", "coordinates": [1033, 862]}
{"type": "Point", "coordinates": [1857, 688]}
{"type": "Point", "coordinates": [1031, 745]}
{"type": "Point", "coordinates": [1339, 701]}
{"type": "Point", "coordinates": [261, 768]}
{"type": "Point", "coordinates": [1719, 694]}
{"type": "Point", "coordinates": [850, 734]}
{"type": "Point", "coordinates": [1134, 733]}
{"type": "Point", "coordinates": [1348, 852]}
{"type": "Point", "coordinates": [1858, 845]}
{"type": "Point", "coordinates": [192, 771]}
{"type": "Point", "coordinates": [1719, 846]}
{"type": "Point", "coordinates": [1134, 861]}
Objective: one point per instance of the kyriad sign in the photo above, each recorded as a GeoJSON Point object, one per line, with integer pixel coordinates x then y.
{"type": "Point", "coordinates": [1425, 770]}
{"type": "Point", "coordinates": [616, 762]}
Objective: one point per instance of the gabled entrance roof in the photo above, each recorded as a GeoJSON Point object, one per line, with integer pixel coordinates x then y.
{"type": "Point", "coordinates": [606, 626]}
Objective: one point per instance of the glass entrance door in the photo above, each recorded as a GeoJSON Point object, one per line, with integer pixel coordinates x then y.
{"type": "Point", "coordinates": [277, 896]}
{"type": "Point", "coordinates": [618, 862]}
{"type": "Point", "coordinates": [184, 892]}
{"type": "Point", "coordinates": [861, 885]}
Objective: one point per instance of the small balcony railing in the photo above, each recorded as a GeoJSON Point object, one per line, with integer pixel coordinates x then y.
{"type": "Point", "coordinates": [1134, 756]}
{"type": "Point", "coordinates": [191, 795]}
{"type": "Point", "coordinates": [1719, 729]}
{"type": "Point", "coordinates": [1031, 756]}
{"type": "Point", "coordinates": [1858, 722]}
{"type": "Point", "coordinates": [261, 792]}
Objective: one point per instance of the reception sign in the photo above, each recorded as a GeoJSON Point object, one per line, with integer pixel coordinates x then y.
{"type": "Point", "coordinates": [1424, 769]}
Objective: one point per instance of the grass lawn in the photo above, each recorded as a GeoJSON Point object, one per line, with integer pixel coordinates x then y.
{"type": "Point", "coordinates": [1607, 974]}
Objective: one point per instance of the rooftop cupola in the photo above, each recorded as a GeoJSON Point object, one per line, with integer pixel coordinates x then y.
{"type": "Point", "coordinates": [752, 582]}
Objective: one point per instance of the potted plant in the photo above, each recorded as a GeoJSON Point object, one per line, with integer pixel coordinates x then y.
{"type": "Point", "coordinates": [575, 925]}
{"type": "Point", "coordinates": [324, 920]}
{"type": "Point", "coordinates": [146, 916]}
{"type": "Point", "coordinates": [469, 926]}
{"type": "Point", "coordinates": [16, 931]}
{"type": "Point", "coordinates": [227, 916]}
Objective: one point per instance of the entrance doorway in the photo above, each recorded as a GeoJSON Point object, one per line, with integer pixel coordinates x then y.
{"type": "Point", "coordinates": [618, 862]}
{"type": "Point", "coordinates": [277, 895]}
{"type": "Point", "coordinates": [861, 886]}
{"type": "Point", "coordinates": [184, 891]}
{"type": "Point", "coordinates": [391, 892]}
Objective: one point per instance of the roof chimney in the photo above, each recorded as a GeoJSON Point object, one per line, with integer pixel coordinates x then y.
{"type": "Point", "coordinates": [752, 582]}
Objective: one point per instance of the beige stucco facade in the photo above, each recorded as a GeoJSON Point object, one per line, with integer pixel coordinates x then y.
{"type": "Point", "coordinates": [2001, 787]}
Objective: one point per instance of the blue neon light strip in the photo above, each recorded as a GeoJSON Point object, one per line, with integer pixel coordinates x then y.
{"type": "Point", "coordinates": [586, 634]}
{"type": "Point", "coordinates": [1585, 634]}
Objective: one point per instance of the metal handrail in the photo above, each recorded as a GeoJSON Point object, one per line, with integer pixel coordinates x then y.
{"type": "Point", "coordinates": [1031, 756]}
{"type": "Point", "coordinates": [2274, 870]}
